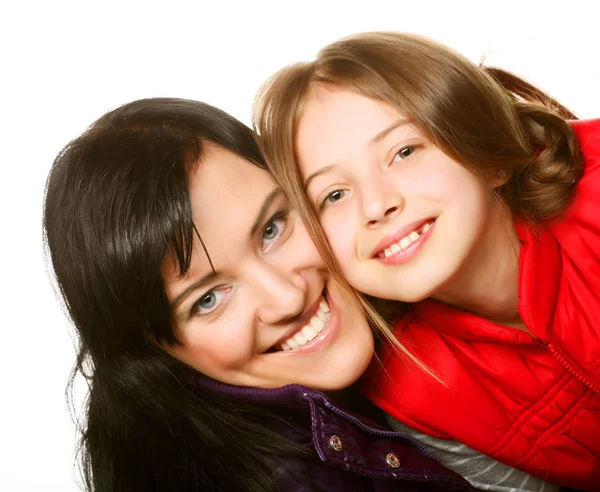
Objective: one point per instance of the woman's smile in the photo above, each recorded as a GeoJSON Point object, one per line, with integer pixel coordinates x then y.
{"type": "Point", "coordinates": [314, 335]}
{"type": "Point", "coordinates": [258, 306]}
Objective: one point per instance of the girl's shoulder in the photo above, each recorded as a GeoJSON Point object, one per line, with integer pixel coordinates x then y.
{"type": "Point", "coordinates": [584, 211]}
{"type": "Point", "coordinates": [588, 136]}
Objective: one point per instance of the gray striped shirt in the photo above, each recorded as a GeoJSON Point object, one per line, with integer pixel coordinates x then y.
{"type": "Point", "coordinates": [483, 472]}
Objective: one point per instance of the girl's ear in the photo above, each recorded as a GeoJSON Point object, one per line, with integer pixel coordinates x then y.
{"type": "Point", "coordinates": [499, 178]}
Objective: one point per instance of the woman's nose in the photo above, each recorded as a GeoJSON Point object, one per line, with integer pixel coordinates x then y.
{"type": "Point", "coordinates": [281, 294]}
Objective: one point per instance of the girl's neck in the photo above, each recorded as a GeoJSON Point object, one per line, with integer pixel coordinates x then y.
{"type": "Point", "coordinates": [487, 284]}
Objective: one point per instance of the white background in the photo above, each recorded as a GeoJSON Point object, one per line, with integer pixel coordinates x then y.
{"type": "Point", "coordinates": [64, 64]}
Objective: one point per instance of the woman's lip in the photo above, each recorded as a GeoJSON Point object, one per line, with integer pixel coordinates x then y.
{"type": "Point", "coordinates": [399, 234]}
{"type": "Point", "coordinates": [410, 251]}
{"type": "Point", "coordinates": [325, 337]}
{"type": "Point", "coordinates": [304, 318]}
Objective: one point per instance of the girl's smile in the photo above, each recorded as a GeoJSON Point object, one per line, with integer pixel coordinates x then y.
{"type": "Point", "coordinates": [404, 220]}
{"type": "Point", "coordinates": [405, 243]}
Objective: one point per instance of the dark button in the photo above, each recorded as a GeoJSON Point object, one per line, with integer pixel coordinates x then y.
{"type": "Point", "coordinates": [392, 460]}
{"type": "Point", "coordinates": [335, 443]}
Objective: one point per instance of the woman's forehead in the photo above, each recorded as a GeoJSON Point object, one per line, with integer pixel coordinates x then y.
{"type": "Point", "coordinates": [227, 185]}
{"type": "Point", "coordinates": [227, 193]}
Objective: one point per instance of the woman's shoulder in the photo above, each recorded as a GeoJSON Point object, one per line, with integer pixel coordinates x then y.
{"type": "Point", "coordinates": [342, 442]}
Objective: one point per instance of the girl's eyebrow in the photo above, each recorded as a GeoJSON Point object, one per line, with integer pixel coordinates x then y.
{"type": "Point", "coordinates": [209, 277]}
{"type": "Point", "coordinates": [376, 139]}
{"type": "Point", "coordinates": [323, 170]}
{"type": "Point", "coordinates": [384, 133]}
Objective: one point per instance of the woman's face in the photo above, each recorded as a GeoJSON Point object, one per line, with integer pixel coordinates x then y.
{"type": "Point", "coordinates": [269, 314]}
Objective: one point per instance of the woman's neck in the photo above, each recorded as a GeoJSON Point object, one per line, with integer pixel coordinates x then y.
{"type": "Point", "coordinates": [352, 399]}
{"type": "Point", "coordinates": [487, 284]}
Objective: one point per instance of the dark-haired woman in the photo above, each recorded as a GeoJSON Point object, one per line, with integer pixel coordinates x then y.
{"type": "Point", "coordinates": [210, 330]}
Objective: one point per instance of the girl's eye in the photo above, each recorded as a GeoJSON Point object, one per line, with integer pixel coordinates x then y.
{"type": "Point", "coordinates": [210, 301]}
{"type": "Point", "coordinates": [404, 153]}
{"type": "Point", "coordinates": [334, 196]}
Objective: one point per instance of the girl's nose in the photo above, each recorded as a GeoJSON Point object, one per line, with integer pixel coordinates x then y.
{"type": "Point", "coordinates": [380, 200]}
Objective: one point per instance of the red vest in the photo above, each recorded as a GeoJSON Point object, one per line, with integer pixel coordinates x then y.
{"type": "Point", "coordinates": [532, 402]}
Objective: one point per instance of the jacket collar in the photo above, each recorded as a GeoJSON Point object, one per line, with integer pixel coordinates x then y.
{"type": "Point", "coordinates": [539, 278]}
{"type": "Point", "coordinates": [290, 397]}
{"type": "Point", "coordinates": [539, 275]}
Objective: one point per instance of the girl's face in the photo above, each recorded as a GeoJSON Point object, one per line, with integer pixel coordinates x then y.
{"type": "Point", "coordinates": [401, 216]}
{"type": "Point", "coordinates": [269, 314]}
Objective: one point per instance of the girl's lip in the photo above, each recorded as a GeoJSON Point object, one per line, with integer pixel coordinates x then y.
{"type": "Point", "coordinates": [410, 251]}
{"type": "Point", "coordinates": [399, 234]}
{"type": "Point", "coordinates": [325, 337]}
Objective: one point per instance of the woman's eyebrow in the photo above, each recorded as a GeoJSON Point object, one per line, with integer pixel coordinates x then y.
{"type": "Point", "coordinates": [264, 209]}
{"type": "Point", "coordinates": [209, 277]}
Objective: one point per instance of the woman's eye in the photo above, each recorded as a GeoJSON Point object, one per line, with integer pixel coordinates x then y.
{"type": "Point", "coordinates": [404, 153]}
{"type": "Point", "coordinates": [275, 230]}
{"type": "Point", "coordinates": [272, 230]}
{"type": "Point", "coordinates": [210, 301]}
{"type": "Point", "coordinates": [334, 196]}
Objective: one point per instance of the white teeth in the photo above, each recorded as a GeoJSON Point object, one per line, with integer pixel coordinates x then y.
{"type": "Point", "coordinates": [300, 338]}
{"type": "Point", "coordinates": [317, 324]}
{"type": "Point", "coordinates": [406, 241]}
{"type": "Point", "coordinates": [310, 329]}
{"type": "Point", "coordinates": [309, 333]}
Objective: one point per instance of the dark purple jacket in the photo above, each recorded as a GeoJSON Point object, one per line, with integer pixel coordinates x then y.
{"type": "Point", "coordinates": [353, 453]}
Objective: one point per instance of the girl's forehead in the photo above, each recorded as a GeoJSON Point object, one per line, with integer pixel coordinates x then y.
{"type": "Point", "coordinates": [339, 122]}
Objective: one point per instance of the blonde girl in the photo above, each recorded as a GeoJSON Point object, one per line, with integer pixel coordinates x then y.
{"type": "Point", "coordinates": [474, 196]}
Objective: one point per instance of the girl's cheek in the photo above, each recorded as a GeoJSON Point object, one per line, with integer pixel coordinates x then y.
{"type": "Point", "coordinates": [342, 234]}
{"type": "Point", "coordinates": [344, 249]}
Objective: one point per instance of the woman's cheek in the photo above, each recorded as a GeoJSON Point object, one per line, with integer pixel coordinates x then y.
{"type": "Point", "coordinates": [214, 349]}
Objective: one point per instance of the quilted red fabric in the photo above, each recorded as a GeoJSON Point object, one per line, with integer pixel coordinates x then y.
{"type": "Point", "coordinates": [531, 400]}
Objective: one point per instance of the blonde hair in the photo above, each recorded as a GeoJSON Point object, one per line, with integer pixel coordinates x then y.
{"type": "Point", "coordinates": [484, 118]}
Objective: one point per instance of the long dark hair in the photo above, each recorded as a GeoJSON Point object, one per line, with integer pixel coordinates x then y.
{"type": "Point", "coordinates": [116, 203]}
